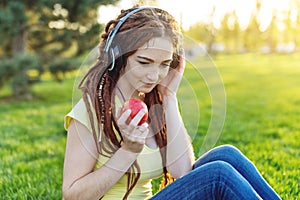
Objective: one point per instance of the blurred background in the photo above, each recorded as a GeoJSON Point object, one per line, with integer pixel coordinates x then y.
{"type": "Point", "coordinates": [41, 37]}
{"type": "Point", "coordinates": [255, 44]}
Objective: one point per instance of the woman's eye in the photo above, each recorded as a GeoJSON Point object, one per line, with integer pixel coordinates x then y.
{"type": "Point", "coordinates": [165, 65]}
{"type": "Point", "coordinates": [143, 62]}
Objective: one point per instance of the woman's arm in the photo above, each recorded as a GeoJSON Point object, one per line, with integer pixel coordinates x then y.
{"type": "Point", "coordinates": [180, 154]}
{"type": "Point", "coordinates": [80, 181]}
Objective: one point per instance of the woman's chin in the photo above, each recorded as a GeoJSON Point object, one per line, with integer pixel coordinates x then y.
{"type": "Point", "coordinates": [145, 89]}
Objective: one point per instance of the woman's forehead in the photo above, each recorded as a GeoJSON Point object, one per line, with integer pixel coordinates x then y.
{"type": "Point", "coordinates": [160, 43]}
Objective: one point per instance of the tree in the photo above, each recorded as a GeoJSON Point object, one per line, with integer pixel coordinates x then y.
{"type": "Point", "coordinates": [252, 43]}
{"type": "Point", "coordinates": [204, 32]}
{"type": "Point", "coordinates": [270, 35]}
{"type": "Point", "coordinates": [230, 32]}
{"type": "Point", "coordinates": [12, 26]}
{"type": "Point", "coordinates": [49, 29]}
{"type": "Point", "coordinates": [297, 25]}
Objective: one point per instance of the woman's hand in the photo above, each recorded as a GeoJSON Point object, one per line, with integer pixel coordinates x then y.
{"type": "Point", "coordinates": [134, 136]}
{"type": "Point", "coordinates": [169, 85]}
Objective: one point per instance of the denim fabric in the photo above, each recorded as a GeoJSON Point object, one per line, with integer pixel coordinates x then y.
{"type": "Point", "coordinates": [222, 173]}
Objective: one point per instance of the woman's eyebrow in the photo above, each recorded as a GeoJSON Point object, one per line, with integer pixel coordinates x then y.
{"type": "Point", "coordinates": [151, 60]}
{"type": "Point", "coordinates": [146, 58]}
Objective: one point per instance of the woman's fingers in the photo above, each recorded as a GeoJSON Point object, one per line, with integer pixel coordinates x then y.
{"type": "Point", "coordinates": [138, 135]}
{"type": "Point", "coordinates": [131, 127]}
{"type": "Point", "coordinates": [181, 60]}
{"type": "Point", "coordinates": [169, 85]}
{"type": "Point", "coordinates": [143, 127]}
{"type": "Point", "coordinates": [137, 118]}
{"type": "Point", "coordinates": [135, 139]}
{"type": "Point", "coordinates": [123, 119]}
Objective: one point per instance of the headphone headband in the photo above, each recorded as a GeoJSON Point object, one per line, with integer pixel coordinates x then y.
{"type": "Point", "coordinates": [119, 24]}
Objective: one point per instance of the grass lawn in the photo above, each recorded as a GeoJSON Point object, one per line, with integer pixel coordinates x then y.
{"type": "Point", "coordinates": [263, 114]}
{"type": "Point", "coordinates": [262, 119]}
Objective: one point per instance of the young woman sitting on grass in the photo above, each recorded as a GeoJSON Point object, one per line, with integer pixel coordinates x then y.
{"type": "Point", "coordinates": [110, 156]}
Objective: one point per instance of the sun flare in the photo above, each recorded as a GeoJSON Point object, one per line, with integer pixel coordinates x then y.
{"type": "Point", "coordinates": [189, 12]}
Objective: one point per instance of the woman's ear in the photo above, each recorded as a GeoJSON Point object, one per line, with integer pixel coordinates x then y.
{"type": "Point", "coordinates": [175, 61]}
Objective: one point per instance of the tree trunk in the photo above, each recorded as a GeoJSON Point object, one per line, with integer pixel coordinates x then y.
{"type": "Point", "coordinates": [20, 85]}
{"type": "Point", "coordinates": [19, 43]}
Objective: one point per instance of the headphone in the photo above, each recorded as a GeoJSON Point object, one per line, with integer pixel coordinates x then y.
{"type": "Point", "coordinates": [115, 51]}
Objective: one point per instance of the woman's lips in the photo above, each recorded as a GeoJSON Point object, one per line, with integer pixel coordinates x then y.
{"type": "Point", "coordinates": [149, 84]}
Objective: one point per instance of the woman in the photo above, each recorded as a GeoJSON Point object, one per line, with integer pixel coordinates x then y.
{"type": "Point", "coordinates": [109, 156]}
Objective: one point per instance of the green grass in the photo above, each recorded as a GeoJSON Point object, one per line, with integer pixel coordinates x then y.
{"type": "Point", "coordinates": [32, 143]}
{"type": "Point", "coordinates": [263, 115]}
{"type": "Point", "coordinates": [262, 119]}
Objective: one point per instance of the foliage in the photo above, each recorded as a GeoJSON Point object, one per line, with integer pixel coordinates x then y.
{"type": "Point", "coordinates": [53, 30]}
{"type": "Point", "coordinates": [282, 31]}
{"type": "Point", "coordinates": [12, 16]}
{"type": "Point", "coordinates": [44, 22]}
{"type": "Point", "coordinates": [68, 29]}
{"type": "Point", "coordinates": [16, 69]}
{"type": "Point", "coordinates": [262, 120]}
{"type": "Point", "coordinates": [230, 33]}
{"type": "Point", "coordinates": [61, 66]}
{"type": "Point", "coordinates": [250, 42]}
{"type": "Point", "coordinates": [7, 71]}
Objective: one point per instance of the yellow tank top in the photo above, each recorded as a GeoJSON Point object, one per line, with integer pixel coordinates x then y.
{"type": "Point", "coordinates": [149, 161]}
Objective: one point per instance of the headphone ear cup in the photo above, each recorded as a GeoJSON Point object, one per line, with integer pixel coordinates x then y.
{"type": "Point", "coordinates": [116, 51]}
{"type": "Point", "coordinates": [113, 54]}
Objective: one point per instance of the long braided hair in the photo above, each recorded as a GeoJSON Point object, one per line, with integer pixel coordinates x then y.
{"type": "Point", "coordinates": [98, 84]}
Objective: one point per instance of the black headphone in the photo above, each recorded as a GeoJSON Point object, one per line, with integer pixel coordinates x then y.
{"type": "Point", "coordinates": [115, 51]}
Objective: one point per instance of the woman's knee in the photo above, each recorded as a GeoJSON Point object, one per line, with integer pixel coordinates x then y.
{"type": "Point", "coordinates": [226, 153]}
{"type": "Point", "coordinates": [222, 167]}
{"type": "Point", "coordinates": [216, 168]}
{"type": "Point", "coordinates": [228, 148]}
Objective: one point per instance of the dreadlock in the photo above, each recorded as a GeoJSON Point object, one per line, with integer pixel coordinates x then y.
{"type": "Point", "coordinates": [99, 84]}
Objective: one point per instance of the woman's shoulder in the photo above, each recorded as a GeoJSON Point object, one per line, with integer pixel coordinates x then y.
{"type": "Point", "coordinates": [79, 113]}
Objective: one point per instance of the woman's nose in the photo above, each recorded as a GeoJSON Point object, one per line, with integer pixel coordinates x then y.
{"type": "Point", "coordinates": [153, 75]}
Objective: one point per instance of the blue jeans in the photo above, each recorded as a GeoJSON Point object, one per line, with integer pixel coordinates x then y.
{"type": "Point", "coordinates": [222, 173]}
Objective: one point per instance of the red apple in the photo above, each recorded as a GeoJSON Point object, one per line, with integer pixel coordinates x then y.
{"type": "Point", "coordinates": [135, 105]}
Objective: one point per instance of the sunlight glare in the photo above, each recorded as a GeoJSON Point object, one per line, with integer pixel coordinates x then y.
{"type": "Point", "coordinates": [189, 12]}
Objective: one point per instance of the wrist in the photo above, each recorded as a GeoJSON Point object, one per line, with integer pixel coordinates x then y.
{"type": "Point", "coordinates": [128, 151]}
{"type": "Point", "coordinates": [167, 99]}
{"type": "Point", "coordinates": [169, 93]}
{"type": "Point", "coordinates": [121, 160]}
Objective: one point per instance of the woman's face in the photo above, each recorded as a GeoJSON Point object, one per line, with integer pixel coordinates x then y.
{"type": "Point", "coordinates": [146, 67]}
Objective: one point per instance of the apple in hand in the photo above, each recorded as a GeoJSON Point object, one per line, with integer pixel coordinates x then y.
{"type": "Point", "coordinates": [135, 105]}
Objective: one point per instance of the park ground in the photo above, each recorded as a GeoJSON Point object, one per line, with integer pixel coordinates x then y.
{"type": "Point", "coordinates": [262, 120]}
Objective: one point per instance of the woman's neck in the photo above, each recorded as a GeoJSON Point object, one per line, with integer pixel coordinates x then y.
{"type": "Point", "coordinates": [125, 93]}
